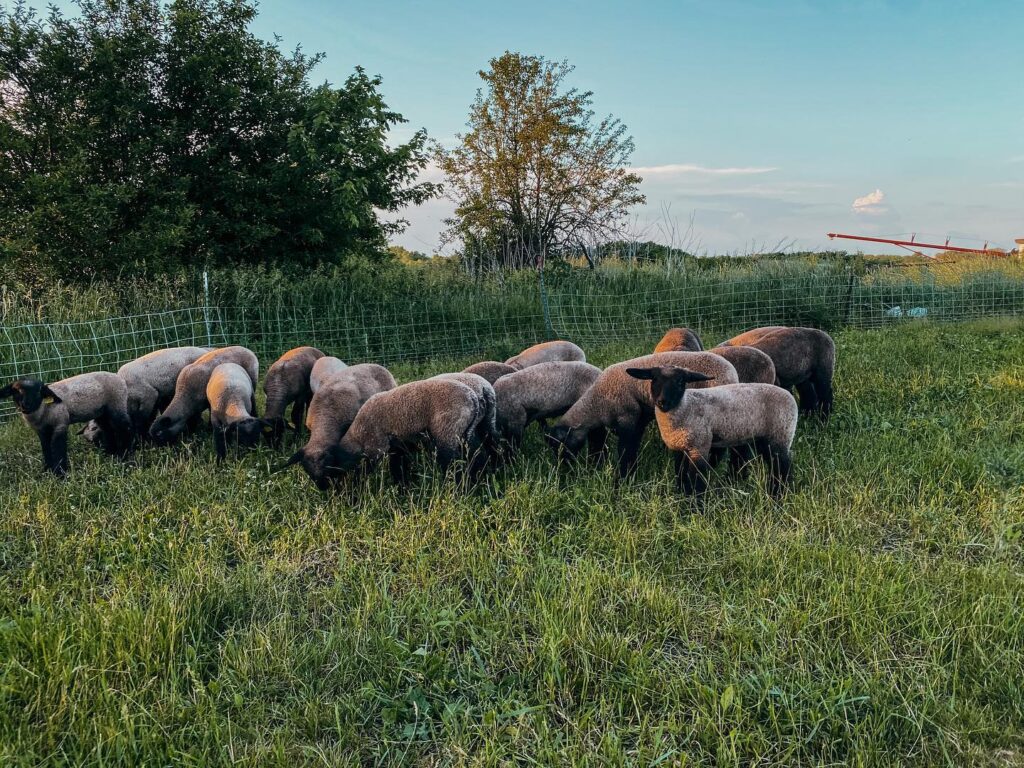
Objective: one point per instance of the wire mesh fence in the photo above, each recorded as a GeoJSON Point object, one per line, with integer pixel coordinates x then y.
{"type": "Point", "coordinates": [438, 322]}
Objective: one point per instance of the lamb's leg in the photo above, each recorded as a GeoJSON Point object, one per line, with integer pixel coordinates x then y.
{"type": "Point", "coordinates": [739, 457]}
{"type": "Point", "coordinates": [629, 451]}
{"type": "Point", "coordinates": [220, 444]}
{"type": "Point", "coordinates": [695, 479]}
{"type": "Point", "coordinates": [446, 456]}
{"type": "Point", "coordinates": [808, 397]}
{"type": "Point", "coordinates": [597, 445]}
{"type": "Point", "coordinates": [823, 389]}
{"type": "Point", "coordinates": [124, 431]}
{"type": "Point", "coordinates": [780, 467]}
{"type": "Point", "coordinates": [59, 462]}
{"type": "Point", "coordinates": [716, 456]}
{"type": "Point", "coordinates": [400, 466]}
{"type": "Point", "coordinates": [299, 415]}
{"type": "Point", "coordinates": [46, 443]}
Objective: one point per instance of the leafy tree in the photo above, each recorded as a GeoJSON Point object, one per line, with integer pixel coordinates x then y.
{"type": "Point", "coordinates": [536, 174]}
{"type": "Point", "coordinates": [144, 136]}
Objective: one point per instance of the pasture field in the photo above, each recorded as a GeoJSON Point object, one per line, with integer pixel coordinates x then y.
{"type": "Point", "coordinates": [167, 612]}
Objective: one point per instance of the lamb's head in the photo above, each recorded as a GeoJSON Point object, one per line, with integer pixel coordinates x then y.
{"type": "Point", "coordinates": [29, 395]}
{"type": "Point", "coordinates": [325, 468]}
{"type": "Point", "coordinates": [165, 429]}
{"type": "Point", "coordinates": [247, 432]}
{"type": "Point", "coordinates": [565, 441]}
{"type": "Point", "coordinates": [668, 383]}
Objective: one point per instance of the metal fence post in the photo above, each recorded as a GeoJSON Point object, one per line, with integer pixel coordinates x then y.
{"type": "Point", "coordinates": [206, 307]}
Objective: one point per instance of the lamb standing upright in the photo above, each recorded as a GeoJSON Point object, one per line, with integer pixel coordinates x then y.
{"type": "Point", "coordinates": [619, 403]}
{"type": "Point", "coordinates": [230, 393]}
{"type": "Point", "coordinates": [331, 413]}
{"type": "Point", "coordinates": [694, 422]}
{"type": "Point", "coordinates": [542, 391]}
{"type": "Point", "coordinates": [546, 352]}
{"type": "Point", "coordinates": [190, 390]}
{"type": "Point", "coordinates": [288, 383]}
{"type": "Point", "coordinates": [51, 409]}
{"type": "Point", "coordinates": [804, 358]}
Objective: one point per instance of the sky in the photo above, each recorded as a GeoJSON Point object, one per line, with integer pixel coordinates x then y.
{"type": "Point", "coordinates": [755, 123]}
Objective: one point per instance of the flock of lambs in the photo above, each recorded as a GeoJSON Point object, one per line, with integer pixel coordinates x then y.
{"type": "Point", "coordinates": [734, 398]}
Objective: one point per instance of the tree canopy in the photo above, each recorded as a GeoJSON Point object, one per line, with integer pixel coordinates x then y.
{"type": "Point", "coordinates": [536, 173]}
{"type": "Point", "coordinates": [141, 136]}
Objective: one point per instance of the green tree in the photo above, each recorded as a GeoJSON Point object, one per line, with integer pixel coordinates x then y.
{"type": "Point", "coordinates": [143, 136]}
{"type": "Point", "coordinates": [536, 174]}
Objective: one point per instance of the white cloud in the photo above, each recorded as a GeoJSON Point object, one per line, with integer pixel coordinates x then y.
{"type": "Point", "coordinates": [683, 169]}
{"type": "Point", "coordinates": [871, 203]}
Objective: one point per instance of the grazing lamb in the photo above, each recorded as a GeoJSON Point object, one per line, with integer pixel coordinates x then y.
{"type": "Point", "coordinates": [487, 434]}
{"type": "Point", "coordinates": [490, 370]}
{"type": "Point", "coordinates": [804, 358]}
{"type": "Point", "coordinates": [287, 383]}
{"type": "Point", "coordinates": [540, 392]}
{"type": "Point", "coordinates": [679, 340]}
{"type": "Point", "coordinates": [229, 393]}
{"type": "Point", "coordinates": [150, 379]}
{"type": "Point", "coordinates": [392, 424]}
{"type": "Point", "coordinates": [752, 365]}
{"type": "Point", "coordinates": [547, 352]}
{"type": "Point", "coordinates": [693, 423]}
{"type": "Point", "coordinates": [190, 390]}
{"type": "Point", "coordinates": [619, 403]}
{"type": "Point", "coordinates": [50, 409]}
{"type": "Point", "coordinates": [748, 337]}
{"type": "Point", "coordinates": [331, 413]}
{"type": "Point", "coordinates": [323, 369]}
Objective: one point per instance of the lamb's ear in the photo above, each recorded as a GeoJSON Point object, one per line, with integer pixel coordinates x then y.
{"type": "Point", "coordinates": [49, 396]}
{"type": "Point", "coordinates": [693, 376]}
{"type": "Point", "coordinates": [295, 459]}
{"type": "Point", "coordinates": [644, 374]}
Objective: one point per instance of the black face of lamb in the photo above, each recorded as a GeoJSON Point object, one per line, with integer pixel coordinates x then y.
{"type": "Point", "coordinates": [565, 442]}
{"type": "Point", "coordinates": [668, 384]}
{"type": "Point", "coordinates": [29, 395]}
{"type": "Point", "coordinates": [164, 430]}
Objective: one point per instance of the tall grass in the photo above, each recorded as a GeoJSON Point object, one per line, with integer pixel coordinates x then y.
{"type": "Point", "coordinates": [171, 612]}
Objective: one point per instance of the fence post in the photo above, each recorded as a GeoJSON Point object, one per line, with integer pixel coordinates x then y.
{"type": "Point", "coordinates": [206, 307]}
{"type": "Point", "coordinates": [548, 328]}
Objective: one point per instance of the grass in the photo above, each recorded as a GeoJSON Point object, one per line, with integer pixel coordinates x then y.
{"type": "Point", "coordinates": [166, 612]}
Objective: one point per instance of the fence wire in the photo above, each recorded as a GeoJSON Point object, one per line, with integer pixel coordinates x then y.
{"type": "Point", "coordinates": [588, 309]}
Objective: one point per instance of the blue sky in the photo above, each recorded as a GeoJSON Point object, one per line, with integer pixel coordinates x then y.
{"type": "Point", "coordinates": [764, 121]}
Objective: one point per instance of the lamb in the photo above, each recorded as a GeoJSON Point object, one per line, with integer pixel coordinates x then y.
{"type": "Point", "coordinates": [323, 369]}
{"type": "Point", "coordinates": [540, 392]}
{"type": "Point", "coordinates": [679, 340]}
{"type": "Point", "coordinates": [288, 382]}
{"type": "Point", "coordinates": [392, 424]}
{"type": "Point", "coordinates": [546, 352]}
{"type": "Point", "coordinates": [229, 393]}
{"type": "Point", "coordinates": [752, 365]}
{"type": "Point", "coordinates": [754, 334]}
{"type": "Point", "coordinates": [190, 390]}
{"type": "Point", "coordinates": [331, 413]}
{"type": "Point", "coordinates": [693, 423]}
{"type": "Point", "coordinates": [150, 379]}
{"type": "Point", "coordinates": [619, 403]}
{"type": "Point", "coordinates": [490, 370]}
{"type": "Point", "coordinates": [804, 358]}
{"type": "Point", "coordinates": [487, 433]}
{"type": "Point", "coordinates": [50, 409]}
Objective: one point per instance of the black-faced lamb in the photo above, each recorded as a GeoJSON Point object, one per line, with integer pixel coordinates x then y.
{"type": "Point", "coordinates": [546, 352]}
{"type": "Point", "coordinates": [230, 393]}
{"type": "Point", "coordinates": [331, 413]}
{"type": "Point", "coordinates": [540, 392]}
{"type": "Point", "coordinates": [323, 369]}
{"type": "Point", "coordinates": [189, 399]}
{"type": "Point", "coordinates": [693, 422]}
{"type": "Point", "coordinates": [51, 408]}
{"type": "Point", "coordinates": [445, 414]}
{"type": "Point", "coordinates": [288, 383]}
{"type": "Point", "coordinates": [490, 370]}
{"type": "Point", "coordinates": [618, 403]}
{"type": "Point", "coordinates": [679, 340]}
{"type": "Point", "coordinates": [150, 379]}
{"type": "Point", "coordinates": [804, 358]}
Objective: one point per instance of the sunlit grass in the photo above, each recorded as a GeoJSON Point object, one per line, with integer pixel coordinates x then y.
{"type": "Point", "coordinates": [171, 612]}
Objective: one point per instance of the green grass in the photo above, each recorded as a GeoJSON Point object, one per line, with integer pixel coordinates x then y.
{"type": "Point", "coordinates": [165, 612]}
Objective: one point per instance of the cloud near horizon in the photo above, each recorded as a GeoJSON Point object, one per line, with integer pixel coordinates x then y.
{"type": "Point", "coordinates": [871, 203]}
{"type": "Point", "coordinates": [682, 169]}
